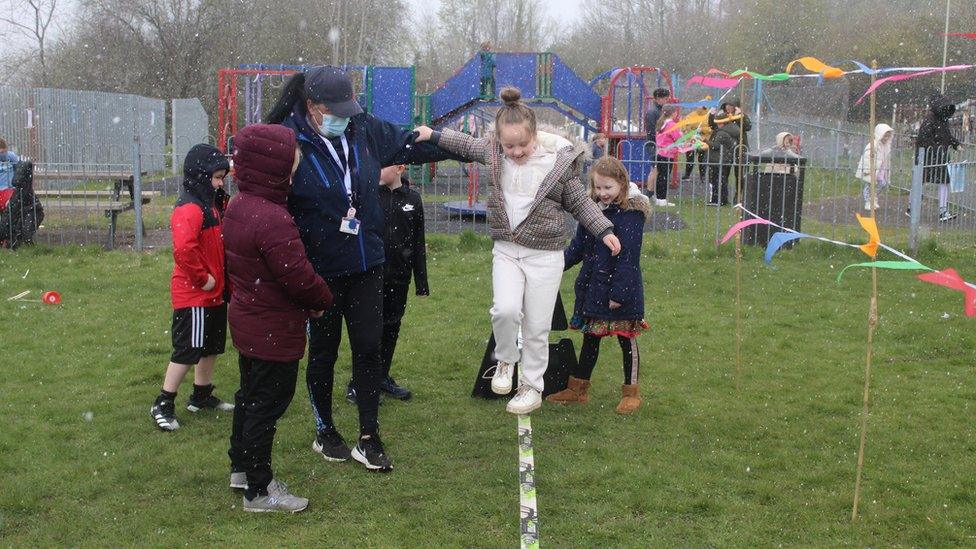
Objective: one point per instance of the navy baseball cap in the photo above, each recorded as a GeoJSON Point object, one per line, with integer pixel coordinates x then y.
{"type": "Point", "coordinates": [332, 87]}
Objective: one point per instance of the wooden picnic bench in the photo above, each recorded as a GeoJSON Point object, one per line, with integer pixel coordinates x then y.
{"type": "Point", "coordinates": [108, 201]}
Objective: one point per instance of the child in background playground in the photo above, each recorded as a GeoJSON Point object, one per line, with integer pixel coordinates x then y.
{"type": "Point", "coordinates": [535, 179]}
{"type": "Point", "coordinates": [406, 257]}
{"type": "Point", "coordinates": [883, 135]}
{"type": "Point", "coordinates": [667, 132]}
{"type": "Point", "coordinates": [275, 292]}
{"type": "Point", "coordinates": [197, 287]}
{"type": "Point", "coordinates": [609, 291]}
{"type": "Point", "coordinates": [598, 146]}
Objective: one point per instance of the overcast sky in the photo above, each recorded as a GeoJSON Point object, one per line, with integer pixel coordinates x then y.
{"type": "Point", "coordinates": [564, 12]}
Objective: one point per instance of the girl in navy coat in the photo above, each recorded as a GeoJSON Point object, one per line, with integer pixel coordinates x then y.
{"type": "Point", "coordinates": [609, 290]}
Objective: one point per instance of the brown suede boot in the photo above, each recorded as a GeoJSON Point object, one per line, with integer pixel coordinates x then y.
{"type": "Point", "coordinates": [630, 399]}
{"type": "Point", "coordinates": [576, 392]}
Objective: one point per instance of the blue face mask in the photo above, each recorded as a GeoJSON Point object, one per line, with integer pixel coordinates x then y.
{"type": "Point", "coordinates": [333, 126]}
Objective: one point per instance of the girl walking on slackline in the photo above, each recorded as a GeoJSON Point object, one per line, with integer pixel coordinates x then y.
{"type": "Point", "coordinates": [535, 179]}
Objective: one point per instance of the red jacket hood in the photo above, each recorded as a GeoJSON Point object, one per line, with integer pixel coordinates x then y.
{"type": "Point", "coordinates": [263, 158]}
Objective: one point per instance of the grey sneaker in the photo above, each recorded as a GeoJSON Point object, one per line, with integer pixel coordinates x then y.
{"type": "Point", "coordinates": [238, 479]}
{"type": "Point", "coordinates": [277, 500]}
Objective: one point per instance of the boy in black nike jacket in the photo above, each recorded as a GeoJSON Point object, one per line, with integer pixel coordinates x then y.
{"type": "Point", "coordinates": [406, 255]}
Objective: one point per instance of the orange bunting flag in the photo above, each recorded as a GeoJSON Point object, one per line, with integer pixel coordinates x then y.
{"type": "Point", "coordinates": [813, 64]}
{"type": "Point", "coordinates": [869, 224]}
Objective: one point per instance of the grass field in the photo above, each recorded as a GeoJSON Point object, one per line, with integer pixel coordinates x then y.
{"type": "Point", "coordinates": [701, 464]}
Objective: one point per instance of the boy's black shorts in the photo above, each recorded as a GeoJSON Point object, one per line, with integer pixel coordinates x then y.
{"type": "Point", "coordinates": [198, 332]}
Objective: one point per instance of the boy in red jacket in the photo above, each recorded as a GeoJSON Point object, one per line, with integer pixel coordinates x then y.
{"type": "Point", "coordinates": [197, 287]}
{"type": "Point", "coordinates": [275, 291]}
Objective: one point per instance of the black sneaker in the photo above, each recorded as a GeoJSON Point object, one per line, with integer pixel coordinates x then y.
{"type": "Point", "coordinates": [370, 453]}
{"type": "Point", "coordinates": [209, 402]}
{"type": "Point", "coordinates": [163, 413]}
{"type": "Point", "coordinates": [946, 216]}
{"type": "Point", "coordinates": [331, 445]}
{"type": "Point", "coordinates": [390, 387]}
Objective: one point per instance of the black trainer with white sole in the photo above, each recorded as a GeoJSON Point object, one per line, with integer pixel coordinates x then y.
{"type": "Point", "coordinates": [370, 453]}
{"type": "Point", "coordinates": [209, 402]}
{"type": "Point", "coordinates": [331, 445]}
{"type": "Point", "coordinates": [163, 413]}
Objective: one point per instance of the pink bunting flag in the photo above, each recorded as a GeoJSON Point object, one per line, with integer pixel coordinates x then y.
{"type": "Point", "coordinates": [910, 75]}
{"type": "Point", "coordinates": [951, 279]}
{"type": "Point", "coordinates": [742, 225]}
{"type": "Point", "coordinates": [724, 83]}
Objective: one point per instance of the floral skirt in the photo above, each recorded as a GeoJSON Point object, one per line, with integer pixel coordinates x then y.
{"type": "Point", "coordinates": [601, 327]}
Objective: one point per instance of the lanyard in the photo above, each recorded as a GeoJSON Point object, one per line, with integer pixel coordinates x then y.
{"type": "Point", "coordinates": [347, 175]}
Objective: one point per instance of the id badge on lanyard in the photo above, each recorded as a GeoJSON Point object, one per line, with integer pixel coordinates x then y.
{"type": "Point", "coordinates": [349, 223]}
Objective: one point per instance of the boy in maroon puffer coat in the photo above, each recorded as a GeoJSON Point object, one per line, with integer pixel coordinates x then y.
{"type": "Point", "coordinates": [274, 292]}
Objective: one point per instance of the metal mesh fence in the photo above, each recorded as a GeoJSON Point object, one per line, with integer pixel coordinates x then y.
{"type": "Point", "coordinates": [81, 130]}
{"type": "Point", "coordinates": [93, 204]}
{"type": "Point", "coordinates": [190, 125]}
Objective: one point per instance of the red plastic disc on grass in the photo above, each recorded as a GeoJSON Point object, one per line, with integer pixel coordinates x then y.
{"type": "Point", "coordinates": [51, 298]}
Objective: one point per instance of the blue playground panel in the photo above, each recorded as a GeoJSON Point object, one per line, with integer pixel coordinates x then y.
{"type": "Point", "coordinates": [516, 69]}
{"type": "Point", "coordinates": [572, 90]}
{"type": "Point", "coordinates": [635, 158]}
{"type": "Point", "coordinates": [461, 208]}
{"type": "Point", "coordinates": [393, 94]}
{"type": "Point", "coordinates": [459, 90]}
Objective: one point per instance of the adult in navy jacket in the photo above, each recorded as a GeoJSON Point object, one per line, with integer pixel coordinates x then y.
{"type": "Point", "coordinates": [335, 205]}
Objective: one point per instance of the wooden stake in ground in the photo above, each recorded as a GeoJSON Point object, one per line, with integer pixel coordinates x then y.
{"type": "Point", "coordinates": [873, 311]}
{"type": "Point", "coordinates": [738, 243]}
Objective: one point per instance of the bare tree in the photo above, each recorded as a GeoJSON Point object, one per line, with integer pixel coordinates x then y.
{"type": "Point", "coordinates": [32, 19]}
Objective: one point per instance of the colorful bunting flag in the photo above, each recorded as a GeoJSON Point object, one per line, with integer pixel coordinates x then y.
{"type": "Point", "coordinates": [899, 77]}
{"type": "Point", "coordinates": [723, 83]}
{"type": "Point", "coordinates": [813, 64]}
{"type": "Point", "coordinates": [896, 265]}
{"type": "Point", "coordinates": [742, 225]}
{"type": "Point", "coordinates": [777, 240]}
{"type": "Point", "coordinates": [951, 279]}
{"type": "Point", "coordinates": [869, 225]}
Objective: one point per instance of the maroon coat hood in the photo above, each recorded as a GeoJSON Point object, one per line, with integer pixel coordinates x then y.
{"type": "Point", "coordinates": [263, 157]}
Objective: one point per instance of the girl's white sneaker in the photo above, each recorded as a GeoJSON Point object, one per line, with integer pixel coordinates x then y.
{"type": "Point", "coordinates": [501, 381]}
{"type": "Point", "coordinates": [526, 400]}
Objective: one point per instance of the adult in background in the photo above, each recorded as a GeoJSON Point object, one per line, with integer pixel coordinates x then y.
{"type": "Point", "coordinates": [662, 96]}
{"type": "Point", "coordinates": [731, 121]}
{"type": "Point", "coordinates": [7, 161]}
{"type": "Point", "coordinates": [935, 139]}
{"type": "Point", "coordinates": [335, 205]}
